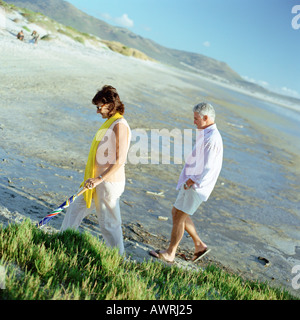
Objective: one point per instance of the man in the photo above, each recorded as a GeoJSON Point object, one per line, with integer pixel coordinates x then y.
{"type": "Point", "coordinates": [105, 171]}
{"type": "Point", "coordinates": [196, 182]}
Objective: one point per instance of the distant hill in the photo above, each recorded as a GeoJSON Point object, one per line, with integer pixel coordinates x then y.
{"type": "Point", "coordinates": [67, 14]}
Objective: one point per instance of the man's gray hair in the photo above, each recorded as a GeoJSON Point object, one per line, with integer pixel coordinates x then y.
{"type": "Point", "coordinates": [205, 109]}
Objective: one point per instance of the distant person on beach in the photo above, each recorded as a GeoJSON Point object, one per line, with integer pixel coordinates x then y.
{"type": "Point", "coordinates": [105, 171]}
{"type": "Point", "coordinates": [20, 35]}
{"type": "Point", "coordinates": [196, 182]}
{"type": "Point", "coordinates": [35, 36]}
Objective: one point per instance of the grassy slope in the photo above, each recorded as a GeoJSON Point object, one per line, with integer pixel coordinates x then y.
{"type": "Point", "coordinates": [71, 265]}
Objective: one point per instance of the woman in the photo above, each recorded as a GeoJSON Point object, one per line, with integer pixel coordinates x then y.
{"type": "Point", "coordinates": [105, 171]}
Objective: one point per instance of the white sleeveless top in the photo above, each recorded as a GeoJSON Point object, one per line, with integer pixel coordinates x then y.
{"type": "Point", "coordinates": [106, 152]}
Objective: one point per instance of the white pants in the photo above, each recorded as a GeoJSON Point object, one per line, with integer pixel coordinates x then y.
{"type": "Point", "coordinates": [106, 202]}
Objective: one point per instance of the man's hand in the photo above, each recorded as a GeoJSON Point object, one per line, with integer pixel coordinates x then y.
{"type": "Point", "coordinates": [188, 184]}
{"type": "Point", "coordinates": [92, 182]}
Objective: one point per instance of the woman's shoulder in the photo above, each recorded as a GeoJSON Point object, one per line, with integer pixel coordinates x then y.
{"type": "Point", "coordinates": [121, 121]}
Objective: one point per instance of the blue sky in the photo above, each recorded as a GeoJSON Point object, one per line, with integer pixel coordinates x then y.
{"type": "Point", "coordinates": [256, 38]}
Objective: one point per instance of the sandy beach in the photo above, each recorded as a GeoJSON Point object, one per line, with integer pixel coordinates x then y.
{"type": "Point", "coordinates": [47, 123]}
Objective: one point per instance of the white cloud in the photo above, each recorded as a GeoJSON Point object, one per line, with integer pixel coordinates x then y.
{"type": "Point", "coordinates": [249, 79]}
{"type": "Point", "coordinates": [290, 92]}
{"type": "Point", "coordinates": [124, 21]}
{"type": "Point", "coordinates": [263, 83]}
{"type": "Point", "coordinates": [259, 82]}
{"type": "Point", "coordinates": [206, 44]}
{"type": "Point", "coordinates": [283, 90]}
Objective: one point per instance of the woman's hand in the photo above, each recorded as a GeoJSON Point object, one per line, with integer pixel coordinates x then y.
{"type": "Point", "coordinates": [92, 183]}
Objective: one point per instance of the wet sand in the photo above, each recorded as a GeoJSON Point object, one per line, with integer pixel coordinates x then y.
{"type": "Point", "coordinates": [47, 124]}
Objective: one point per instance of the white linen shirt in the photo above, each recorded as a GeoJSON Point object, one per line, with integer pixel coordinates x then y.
{"type": "Point", "coordinates": [204, 163]}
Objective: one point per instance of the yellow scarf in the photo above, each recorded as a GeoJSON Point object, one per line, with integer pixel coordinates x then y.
{"type": "Point", "coordinates": [90, 166]}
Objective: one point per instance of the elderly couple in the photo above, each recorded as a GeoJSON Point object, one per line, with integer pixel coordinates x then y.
{"type": "Point", "coordinates": [105, 179]}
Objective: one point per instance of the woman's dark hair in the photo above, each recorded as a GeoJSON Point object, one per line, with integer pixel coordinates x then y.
{"type": "Point", "coordinates": [109, 95]}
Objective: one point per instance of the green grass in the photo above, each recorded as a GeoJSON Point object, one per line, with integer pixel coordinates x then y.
{"type": "Point", "coordinates": [26, 28]}
{"type": "Point", "coordinates": [71, 265]}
